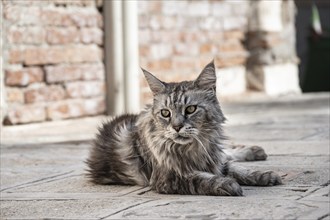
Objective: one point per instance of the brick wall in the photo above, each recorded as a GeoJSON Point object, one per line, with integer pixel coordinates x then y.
{"type": "Point", "coordinates": [53, 60]}
{"type": "Point", "coordinates": [53, 51]}
{"type": "Point", "coordinates": [177, 38]}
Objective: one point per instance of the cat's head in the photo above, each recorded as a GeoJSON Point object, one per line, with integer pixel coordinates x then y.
{"type": "Point", "coordinates": [188, 110]}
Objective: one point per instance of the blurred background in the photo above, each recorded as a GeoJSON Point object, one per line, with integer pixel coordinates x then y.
{"type": "Point", "coordinates": [64, 59]}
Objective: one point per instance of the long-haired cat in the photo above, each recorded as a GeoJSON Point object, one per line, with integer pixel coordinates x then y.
{"type": "Point", "coordinates": [176, 144]}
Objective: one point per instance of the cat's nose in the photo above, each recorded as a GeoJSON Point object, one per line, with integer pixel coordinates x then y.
{"type": "Point", "coordinates": [177, 127]}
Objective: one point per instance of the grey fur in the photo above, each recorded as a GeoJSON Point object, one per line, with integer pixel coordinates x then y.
{"type": "Point", "coordinates": [181, 153]}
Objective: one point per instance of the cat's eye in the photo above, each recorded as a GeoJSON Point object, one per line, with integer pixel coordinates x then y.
{"type": "Point", "coordinates": [165, 113]}
{"type": "Point", "coordinates": [190, 109]}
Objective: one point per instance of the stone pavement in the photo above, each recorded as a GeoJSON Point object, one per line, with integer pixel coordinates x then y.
{"type": "Point", "coordinates": [46, 180]}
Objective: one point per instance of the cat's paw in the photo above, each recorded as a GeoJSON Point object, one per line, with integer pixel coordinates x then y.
{"type": "Point", "coordinates": [268, 178]}
{"type": "Point", "coordinates": [229, 187]}
{"type": "Point", "coordinates": [255, 153]}
{"type": "Point", "coordinates": [246, 153]}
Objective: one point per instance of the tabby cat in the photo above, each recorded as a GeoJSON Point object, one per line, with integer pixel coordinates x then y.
{"type": "Point", "coordinates": [175, 146]}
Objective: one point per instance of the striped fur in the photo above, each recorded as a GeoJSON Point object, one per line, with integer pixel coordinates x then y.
{"type": "Point", "coordinates": [182, 153]}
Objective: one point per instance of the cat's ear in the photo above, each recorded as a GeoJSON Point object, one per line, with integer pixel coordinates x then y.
{"type": "Point", "coordinates": [155, 84]}
{"type": "Point", "coordinates": [207, 78]}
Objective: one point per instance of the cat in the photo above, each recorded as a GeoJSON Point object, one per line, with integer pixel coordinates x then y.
{"type": "Point", "coordinates": [176, 145]}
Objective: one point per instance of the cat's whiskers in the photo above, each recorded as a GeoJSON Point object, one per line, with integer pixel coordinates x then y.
{"type": "Point", "coordinates": [208, 140]}
{"type": "Point", "coordinates": [208, 135]}
{"type": "Point", "coordinates": [220, 135]}
{"type": "Point", "coordinates": [201, 143]}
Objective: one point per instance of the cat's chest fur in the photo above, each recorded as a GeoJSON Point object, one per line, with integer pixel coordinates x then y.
{"type": "Point", "coordinates": [183, 159]}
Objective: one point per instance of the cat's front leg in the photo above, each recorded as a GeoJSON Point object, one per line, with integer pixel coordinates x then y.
{"type": "Point", "coordinates": [250, 177]}
{"type": "Point", "coordinates": [210, 184]}
{"type": "Point", "coordinates": [198, 183]}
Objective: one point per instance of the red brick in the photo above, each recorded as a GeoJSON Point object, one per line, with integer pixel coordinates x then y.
{"type": "Point", "coordinates": [73, 108]}
{"type": "Point", "coordinates": [25, 114]}
{"type": "Point", "coordinates": [232, 59]}
{"type": "Point", "coordinates": [91, 35]}
{"type": "Point", "coordinates": [206, 48]}
{"type": "Point", "coordinates": [233, 35]}
{"type": "Point", "coordinates": [189, 36]}
{"type": "Point", "coordinates": [64, 73]}
{"type": "Point", "coordinates": [41, 55]}
{"type": "Point", "coordinates": [84, 53]}
{"type": "Point", "coordinates": [146, 7]}
{"type": "Point", "coordinates": [74, 2]}
{"type": "Point", "coordinates": [56, 17]}
{"type": "Point", "coordinates": [65, 109]}
{"type": "Point", "coordinates": [191, 49]}
{"type": "Point", "coordinates": [197, 8]}
{"type": "Point", "coordinates": [143, 21]}
{"type": "Point", "coordinates": [62, 54]}
{"type": "Point", "coordinates": [61, 73]}
{"type": "Point", "coordinates": [174, 8]}
{"type": "Point", "coordinates": [44, 94]}
{"type": "Point", "coordinates": [14, 95]}
{"type": "Point", "coordinates": [234, 23]}
{"type": "Point", "coordinates": [93, 71]}
{"type": "Point", "coordinates": [214, 36]}
{"type": "Point", "coordinates": [62, 35]}
{"type": "Point", "coordinates": [15, 55]}
{"type": "Point", "coordinates": [185, 64]}
{"type": "Point", "coordinates": [87, 17]}
{"type": "Point", "coordinates": [220, 8]}
{"type": "Point", "coordinates": [144, 50]}
{"type": "Point", "coordinates": [80, 17]}
{"type": "Point", "coordinates": [85, 89]}
{"type": "Point", "coordinates": [94, 106]}
{"type": "Point", "coordinates": [22, 15]}
{"type": "Point", "coordinates": [184, 76]}
{"type": "Point", "coordinates": [26, 2]}
{"type": "Point", "coordinates": [161, 51]}
{"type": "Point", "coordinates": [231, 46]}
{"type": "Point", "coordinates": [26, 35]}
{"type": "Point", "coordinates": [168, 22]}
{"type": "Point", "coordinates": [159, 65]}
{"type": "Point", "coordinates": [144, 36]}
{"type": "Point", "coordinates": [24, 76]}
{"type": "Point", "coordinates": [162, 36]}
{"type": "Point", "coordinates": [154, 22]}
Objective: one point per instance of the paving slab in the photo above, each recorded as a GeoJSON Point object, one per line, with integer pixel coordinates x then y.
{"type": "Point", "coordinates": [41, 179]}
